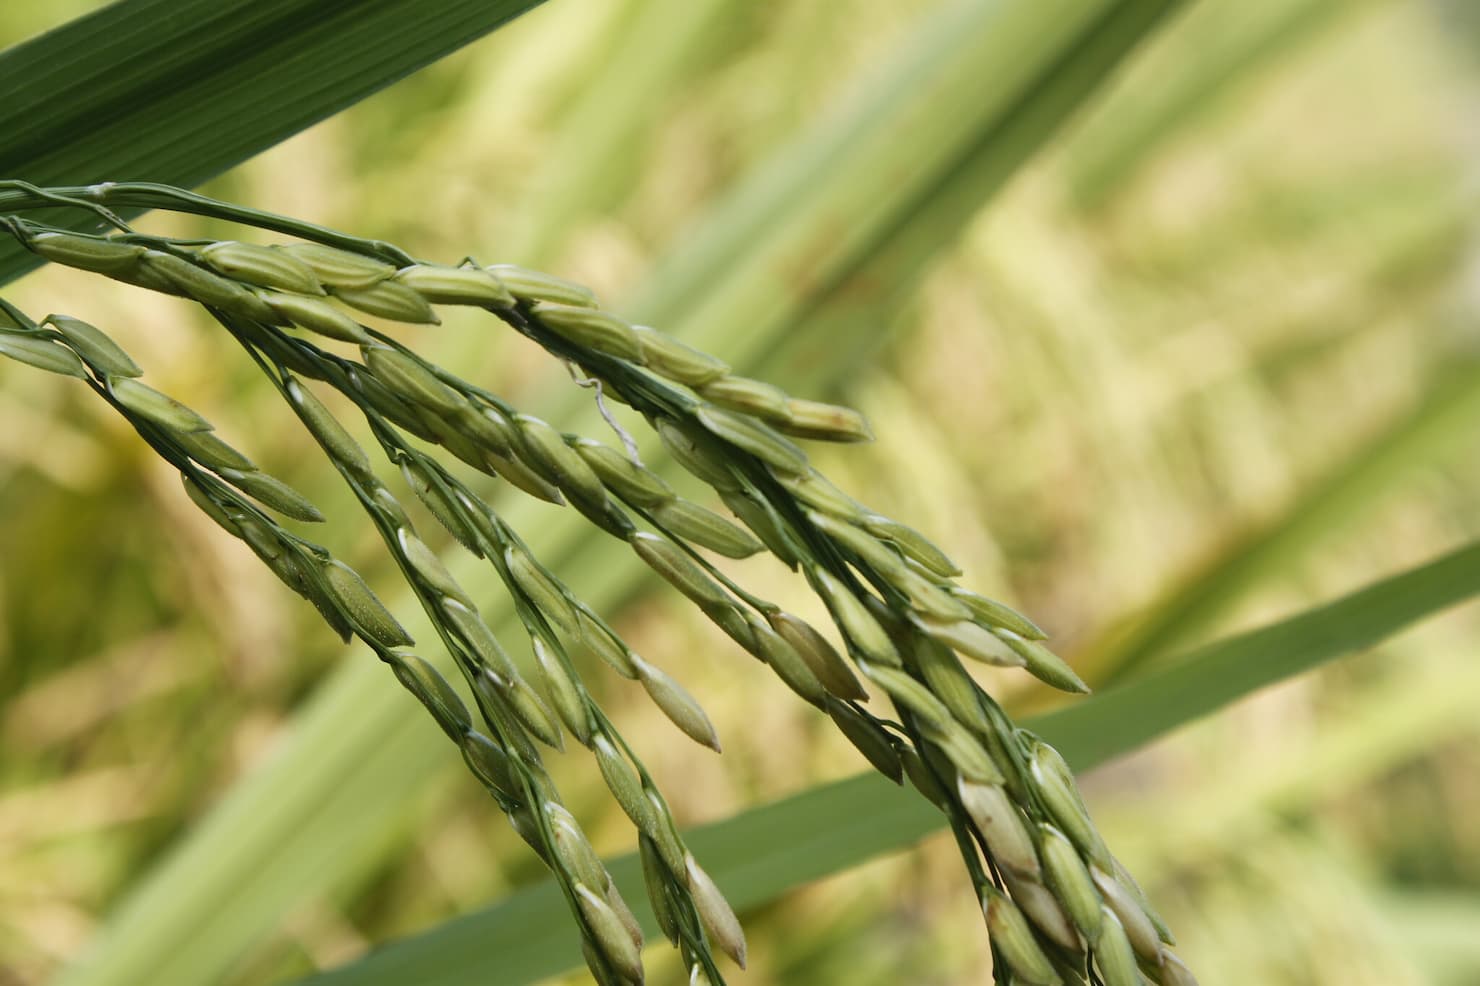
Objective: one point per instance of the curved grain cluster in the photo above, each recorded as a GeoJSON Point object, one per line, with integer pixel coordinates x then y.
{"type": "Point", "coordinates": [1058, 906]}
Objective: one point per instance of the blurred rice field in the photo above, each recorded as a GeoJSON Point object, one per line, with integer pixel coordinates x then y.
{"type": "Point", "coordinates": [1210, 359]}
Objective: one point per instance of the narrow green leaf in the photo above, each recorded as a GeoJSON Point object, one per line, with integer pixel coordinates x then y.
{"type": "Point", "coordinates": [1123, 718]}
{"type": "Point", "coordinates": [1437, 427]}
{"type": "Point", "coordinates": [178, 91]}
{"type": "Point", "coordinates": [759, 855]}
{"type": "Point", "coordinates": [1227, 46]}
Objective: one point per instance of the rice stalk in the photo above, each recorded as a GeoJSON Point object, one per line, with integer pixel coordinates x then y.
{"type": "Point", "coordinates": [892, 595]}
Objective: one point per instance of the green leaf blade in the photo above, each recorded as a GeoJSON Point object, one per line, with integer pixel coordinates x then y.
{"type": "Point", "coordinates": [178, 91]}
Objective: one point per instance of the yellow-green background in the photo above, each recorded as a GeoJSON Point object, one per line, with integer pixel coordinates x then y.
{"type": "Point", "coordinates": [1212, 353]}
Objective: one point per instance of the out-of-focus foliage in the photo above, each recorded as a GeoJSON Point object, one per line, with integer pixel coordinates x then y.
{"type": "Point", "coordinates": [1209, 360]}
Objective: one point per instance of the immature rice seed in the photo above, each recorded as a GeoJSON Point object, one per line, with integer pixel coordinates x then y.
{"type": "Point", "coordinates": [677, 361]}
{"type": "Point", "coordinates": [389, 299]}
{"type": "Point", "coordinates": [338, 268]}
{"type": "Point", "coordinates": [813, 489]}
{"type": "Point", "coordinates": [531, 285]}
{"type": "Point", "coordinates": [679, 569]}
{"type": "Point", "coordinates": [213, 453]}
{"type": "Point", "coordinates": [664, 832]}
{"type": "Point", "coordinates": [90, 253]}
{"type": "Point", "coordinates": [455, 285]}
{"type": "Point", "coordinates": [913, 544]}
{"type": "Point", "coordinates": [207, 288]}
{"type": "Point", "coordinates": [274, 493]}
{"type": "Point", "coordinates": [543, 592]}
{"type": "Point", "coordinates": [524, 478]}
{"type": "Point", "coordinates": [522, 820]}
{"type": "Point", "coordinates": [788, 664]}
{"type": "Point", "coordinates": [610, 934]}
{"type": "Point", "coordinates": [950, 682]}
{"type": "Point", "coordinates": [261, 538]}
{"type": "Point", "coordinates": [1174, 972]}
{"type": "Point", "coordinates": [532, 712]}
{"type": "Point", "coordinates": [824, 660]}
{"type": "Point", "coordinates": [718, 917]}
{"type": "Point", "coordinates": [923, 780]}
{"type": "Point", "coordinates": [425, 563]}
{"type": "Point", "coordinates": [364, 606]}
{"type": "Point", "coordinates": [95, 346]}
{"type": "Point", "coordinates": [623, 782]}
{"type": "Point", "coordinates": [210, 507]}
{"type": "Point", "coordinates": [909, 694]}
{"type": "Point", "coordinates": [825, 422]}
{"type": "Point", "coordinates": [967, 754]}
{"type": "Point", "coordinates": [439, 506]}
{"type": "Point", "coordinates": [605, 645]}
{"type": "Point", "coordinates": [761, 519]}
{"type": "Point", "coordinates": [390, 406]}
{"type": "Point", "coordinates": [734, 622]}
{"type": "Point", "coordinates": [1070, 880]}
{"type": "Point", "coordinates": [623, 912]}
{"type": "Point", "coordinates": [1114, 956]}
{"type": "Point", "coordinates": [1129, 883]}
{"type": "Point", "coordinates": [564, 693]}
{"type": "Point", "coordinates": [488, 427]}
{"type": "Point", "coordinates": [751, 436]}
{"type": "Point", "coordinates": [330, 433]}
{"type": "Point", "coordinates": [690, 522]}
{"type": "Point", "coordinates": [1043, 663]}
{"type": "Point", "coordinates": [490, 764]}
{"type": "Point", "coordinates": [591, 328]}
{"type": "Point", "coordinates": [159, 408]}
{"type": "Point", "coordinates": [412, 381]}
{"type": "Point", "coordinates": [549, 455]}
{"type": "Point", "coordinates": [694, 458]}
{"type": "Point", "coordinates": [1015, 940]}
{"type": "Point", "coordinates": [433, 691]}
{"type": "Point", "coordinates": [993, 613]}
{"type": "Point", "coordinates": [476, 514]}
{"type": "Point", "coordinates": [262, 266]}
{"type": "Point", "coordinates": [754, 397]}
{"type": "Point", "coordinates": [969, 640]}
{"type": "Point", "coordinates": [600, 967]}
{"type": "Point", "coordinates": [479, 639]}
{"type": "Point", "coordinates": [1055, 784]}
{"type": "Point", "coordinates": [922, 593]}
{"type": "Point", "coordinates": [572, 848]}
{"type": "Point", "coordinates": [1045, 912]}
{"type": "Point", "coordinates": [677, 704]}
{"type": "Point", "coordinates": [290, 570]}
{"type": "Point", "coordinates": [1000, 824]}
{"type": "Point", "coordinates": [1122, 903]}
{"type": "Point", "coordinates": [655, 878]}
{"type": "Point", "coordinates": [632, 482]}
{"type": "Point", "coordinates": [453, 440]}
{"type": "Point", "coordinates": [316, 315]}
{"type": "Point", "coordinates": [43, 354]}
{"type": "Point", "coordinates": [876, 745]}
{"type": "Point", "coordinates": [926, 595]}
{"type": "Point", "coordinates": [853, 618]}
{"type": "Point", "coordinates": [150, 278]}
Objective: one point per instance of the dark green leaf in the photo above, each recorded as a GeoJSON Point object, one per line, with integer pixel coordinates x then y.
{"type": "Point", "coordinates": [178, 91]}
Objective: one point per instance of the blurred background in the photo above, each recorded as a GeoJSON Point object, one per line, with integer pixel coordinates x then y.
{"type": "Point", "coordinates": [1208, 359]}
